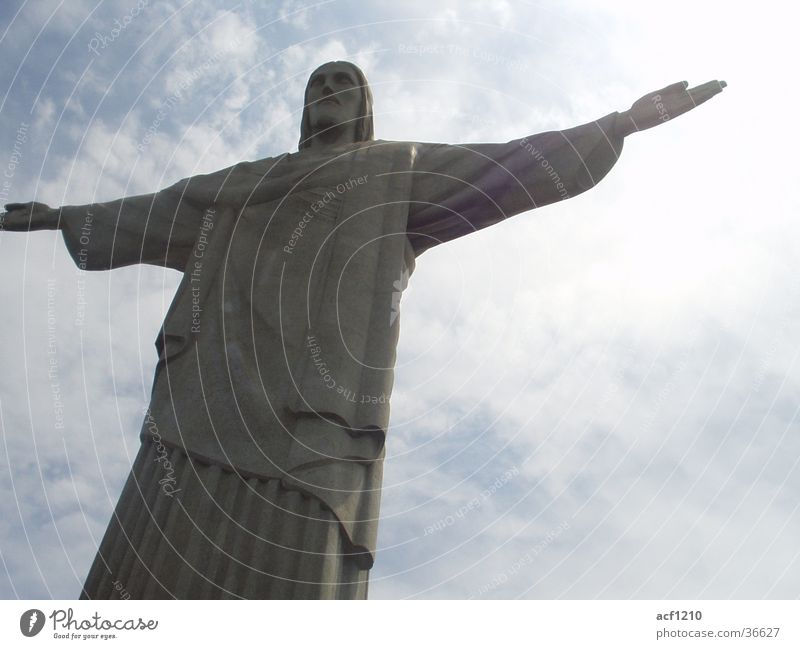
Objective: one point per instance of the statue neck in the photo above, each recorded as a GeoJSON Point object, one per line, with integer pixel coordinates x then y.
{"type": "Point", "coordinates": [333, 135]}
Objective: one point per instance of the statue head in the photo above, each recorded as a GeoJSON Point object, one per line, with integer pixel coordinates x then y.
{"type": "Point", "coordinates": [337, 96]}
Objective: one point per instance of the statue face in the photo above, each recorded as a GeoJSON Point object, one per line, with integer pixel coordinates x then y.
{"type": "Point", "coordinates": [334, 97]}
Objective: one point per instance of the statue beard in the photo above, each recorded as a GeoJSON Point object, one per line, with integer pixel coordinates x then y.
{"type": "Point", "coordinates": [328, 128]}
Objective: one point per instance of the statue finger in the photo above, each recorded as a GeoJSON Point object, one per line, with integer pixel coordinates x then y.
{"type": "Point", "coordinates": [705, 91]}
{"type": "Point", "coordinates": [9, 207]}
{"type": "Point", "coordinates": [675, 88]}
{"type": "Point", "coordinates": [30, 205]}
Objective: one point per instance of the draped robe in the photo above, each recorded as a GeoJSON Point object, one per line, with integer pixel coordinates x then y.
{"type": "Point", "coordinates": [276, 356]}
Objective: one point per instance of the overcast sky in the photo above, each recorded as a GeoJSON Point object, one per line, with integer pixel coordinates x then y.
{"type": "Point", "coordinates": [595, 399]}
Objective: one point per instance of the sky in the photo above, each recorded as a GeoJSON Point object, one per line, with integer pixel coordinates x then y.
{"type": "Point", "coordinates": [597, 399]}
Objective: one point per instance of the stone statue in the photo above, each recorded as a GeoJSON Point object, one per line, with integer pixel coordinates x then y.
{"type": "Point", "coordinates": [259, 474]}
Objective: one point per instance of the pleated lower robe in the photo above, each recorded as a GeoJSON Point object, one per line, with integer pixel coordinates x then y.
{"type": "Point", "coordinates": [214, 534]}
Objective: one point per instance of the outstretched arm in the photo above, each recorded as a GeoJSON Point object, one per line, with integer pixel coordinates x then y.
{"type": "Point", "coordinates": [158, 228]}
{"type": "Point", "coordinates": [663, 105]}
{"type": "Point", "coordinates": [459, 189]}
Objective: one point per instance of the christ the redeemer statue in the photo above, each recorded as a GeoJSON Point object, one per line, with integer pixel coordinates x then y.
{"type": "Point", "coordinates": [259, 474]}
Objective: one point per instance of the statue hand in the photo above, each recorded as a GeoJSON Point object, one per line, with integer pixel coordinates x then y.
{"type": "Point", "coordinates": [22, 217]}
{"type": "Point", "coordinates": [663, 105]}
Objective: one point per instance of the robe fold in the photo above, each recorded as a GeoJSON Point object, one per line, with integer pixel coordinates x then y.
{"type": "Point", "coordinates": [276, 356]}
